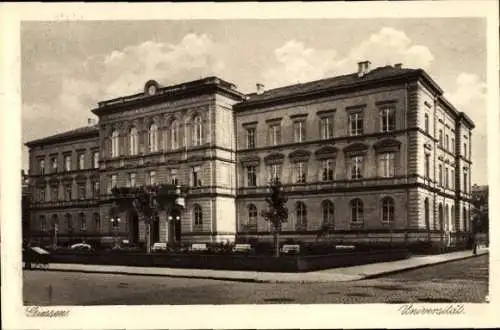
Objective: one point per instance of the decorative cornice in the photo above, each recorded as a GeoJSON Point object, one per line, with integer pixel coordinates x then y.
{"type": "Point", "coordinates": [274, 158]}
{"type": "Point", "coordinates": [300, 154]}
{"type": "Point", "coordinates": [356, 147]}
{"type": "Point", "coordinates": [387, 145]}
{"type": "Point", "coordinates": [327, 151]}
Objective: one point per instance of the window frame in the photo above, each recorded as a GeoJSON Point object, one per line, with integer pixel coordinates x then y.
{"type": "Point", "coordinates": [387, 119]}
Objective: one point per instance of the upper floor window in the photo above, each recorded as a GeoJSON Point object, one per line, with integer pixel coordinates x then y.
{"type": "Point", "coordinates": [387, 209]}
{"type": "Point", "coordinates": [197, 132]}
{"type": "Point", "coordinates": [357, 167]}
{"type": "Point", "coordinates": [251, 176]}
{"type": "Point", "coordinates": [326, 127]}
{"type": "Point", "coordinates": [153, 138]}
{"type": "Point", "coordinates": [300, 172]}
{"type": "Point", "coordinates": [426, 123]}
{"type": "Point", "coordinates": [465, 150]}
{"type": "Point", "coordinates": [54, 193]}
{"type": "Point", "coordinates": [41, 194]}
{"type": "Point", "coordinates": [68, 192]}
{"type": "Point", "coordinates": [134, 141]}
{"type": "Point", "coordinates": [299, 131]}
{"type": "Point", "coordinates": [466, 183]}
{"type": "Point", "coordinates": [274, 134]}
{"type": "Point", "coordinates": [81, 161]}
{"type": "Point", "coordinates": [356, 210]}
{"type": "Point", "coordinates": [386, 165]}
{"type": "Point", "coordinates": [250, 137]}
{"type": "Point", "coordinates": [95, 189]}
{"type": "Point", "coordinates": [446, 178]}
{"type": "Point", "coordinates": [115, 144]}
{"type": "Point", "coordinates": [427, 165]}
{"type": "Point", "coordinates": [327, 169]}
{"type": "Point", "coordinates": [174, 134]}
{"type": "Point", "coordinates": [81, 191]}
{"type": "Point", "coordinates": [41, 166]}
{"type": "Point", "coordinates": [387, 120]}
{"type": "Point", "coordinates": [53, 162]}
{"type": "Point", "coordinates": [447, 142]}
{"type": "Point", "coordinates": [113, 182]}
{"type": "Point", "coordinates": [67, 163]}
{"type": "Point", "coordinates": [355, 123]}
{"type": "Point", "coordinates": [274, 172]}
{"type": "Point", "coordinates": [196, 176]}
{"type": "Point", "coordinates": [95, 159]}
{"type": "Point", "coordinates": [440, 174]}
{"type": "Point", "coordinates": [452, 179]}
{"type": "Point", "coordinates": [441, 138]}
{"type": "Point", "coordinates": [131, 180]}
{"type": "Point", "coordinates": [452, 146]}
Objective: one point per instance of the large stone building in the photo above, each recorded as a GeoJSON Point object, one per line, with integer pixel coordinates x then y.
{"type": "Point", "coordinates": [373, 155]}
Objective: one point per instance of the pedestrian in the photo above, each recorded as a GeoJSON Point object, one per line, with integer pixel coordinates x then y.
{"type": "Point", "coordinates": [474, 244]}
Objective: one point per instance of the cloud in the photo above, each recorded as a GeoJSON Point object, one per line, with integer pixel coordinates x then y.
{"type": "Point", "coordinates": [296, 62]}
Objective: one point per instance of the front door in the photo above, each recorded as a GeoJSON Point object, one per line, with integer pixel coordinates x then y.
{"type": "Point", "coordinates": [155, 230]}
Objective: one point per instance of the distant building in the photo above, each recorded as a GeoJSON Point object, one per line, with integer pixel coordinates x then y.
{"type": "Point", "coordinates": [378, 154]}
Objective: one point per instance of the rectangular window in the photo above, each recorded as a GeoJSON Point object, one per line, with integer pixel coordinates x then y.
{"type": "Point", "coordinates": [43, 224]}
{"type": "Point", "coordinates": [441, 138]}
{"type": "Point", "coordinates": [81, 161]}
{"type": "Point", "coordinates": [131, 180]}
{"type": "Point", "coordinates": [446, 142]}
{"type": "Point", "coordinates": [113, 182]}
{"type": "Point", "coordinates": [465, 182]}
{"type": "Point", "coordinates": [446, 178]}
{"type": "Point", "coordinates": [68, 192]}
{"type": "Point", "coordinates": [465, 150]}
{"type": "Point", "coordinates": [426, 123]}
{"type": "Point", "coordinates": [151, 180]}
{"type": "Point", "coordinates": [173, 176]}
{"type": "Point", "coordinates": [387, 120]}
{"type": "Point", "coordinates": [95, 159]}
{"type": "Point", "coordinates": [326, 128]}
{"type": "Point", "coordinates": [275, 134]}
{"type": "Point", "coordinates": [274, 172]}
{"type": "Point", "coordinates": [196, 176]}
{"type": "Point", "coordinates": [355, 124]}
{"type": "Point", "coordinates": [251, 137]}
{"type": "Point", "coordinates": [95, 189]}
{"type": "Point", "coordinates": [427, 166]}
{"type": "Point", "coordinates": [452, 146]}
{"type": "Point", "coordinates": [299, 131]}
{"type": "Point", "coordinates": [81, 191]}
{"type": "Point", "coordinates": [83, 223]}
{"type": "Point", "coordinates": [440, 173]}
{"type": "Point", "coordinates": [300, 172]}
{"type": "Point", "coordinates": [356, 167]}
{"type": "Point", "coordinates": [41, 194]}
{"type": "Point", "coordinates": [67, 163]}
{"type": "Point", "coordinates": [386, 165]}
{"type": "Point", "coordinates": [328, 169]}
{"type": "Point", "coordinates": [54, 193]}
{"type": "Point", "coordinates": [251, 176]}
{"type": "Point", "coordinates": [41, 166]}
{"type": "Point", "coordinates": [452, 179]}
{"type": "Point", "coordinates": [53, 162]}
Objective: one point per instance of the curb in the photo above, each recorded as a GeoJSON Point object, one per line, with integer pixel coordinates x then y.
{"type": "Point", "coordinates": [395, 271]}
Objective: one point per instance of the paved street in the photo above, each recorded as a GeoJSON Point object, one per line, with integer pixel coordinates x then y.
{"type": "Point", "coordinates": [457, 281]}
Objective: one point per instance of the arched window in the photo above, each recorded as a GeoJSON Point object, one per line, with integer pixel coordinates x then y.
{"type": "Point", "coordinates": [43, 223]}
{"type": "Point", "coordinates": [97, 222]}
{"type": "Point", "coordinates": [115, 143]}
{"type": "Point", "coordinates": [153, 138]}
{"type": "Point", "coordinates": [387, 209]}
{"type": "Point", "coordinates": [426, 214]}
{"type": "Point", "coordinates": [301, 213]}
{"type": "Point", "coordinates": [133, 141]}
{"type": "Point", "coordinates": [83, 222]}
{"type": "Point", "coordinates": [328, 213]}
{"type": "Point", "coordinates": [174, 134]}
{"type": "Point", "coordinates": [356, 210]}
{"type": "Point", "coordinates": [252, 217]}
{"type": "Point", "coordinates": [440, 216]}
{"type": "Point", "coordinates": [197, 215]}
{"type": "Point", "coordinates": [69, 222]}
{"type": "Point", "coordinates": [197, 132]}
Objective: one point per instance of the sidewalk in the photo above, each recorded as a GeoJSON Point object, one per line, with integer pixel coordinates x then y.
{"type": "Point", "coordinates": [330, 275]}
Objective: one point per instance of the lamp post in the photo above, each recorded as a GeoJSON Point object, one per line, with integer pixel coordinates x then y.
{"type": "Point", "coordinates": [115, 223]}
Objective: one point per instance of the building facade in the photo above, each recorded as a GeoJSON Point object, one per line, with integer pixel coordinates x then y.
{"type": "Point", "coordinates": [374, 155]}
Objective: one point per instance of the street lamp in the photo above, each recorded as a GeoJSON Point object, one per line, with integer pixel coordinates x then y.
{"type": "Point", "coordinates": [115, 223]}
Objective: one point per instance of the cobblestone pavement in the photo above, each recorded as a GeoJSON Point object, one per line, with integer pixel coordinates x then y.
{"type": "Point", "coordinates": [457, 281]}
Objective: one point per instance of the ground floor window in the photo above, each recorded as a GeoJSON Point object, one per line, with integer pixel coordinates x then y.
{"type": "Point", "coordinates": [387, 209]}
{"type": "Point", "coordinates": [356, 206]}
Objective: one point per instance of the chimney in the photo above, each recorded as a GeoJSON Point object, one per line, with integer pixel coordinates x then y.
{"type": "Point", "coordinates": [90, 121]}
{"type": "Point", "coordinates": [260, 88]}
{"type": "Point", "coordinates": [363, 68]}
{"type": "Point", "coordinates": [398, 65]}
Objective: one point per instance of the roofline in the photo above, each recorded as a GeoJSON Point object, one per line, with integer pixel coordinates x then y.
{"type": "Point", "coordinates": [62, 137]}
{"type": "Point", "coordinates": [207, 84]}
{"type": "Point", "coordinates": [417, 73]}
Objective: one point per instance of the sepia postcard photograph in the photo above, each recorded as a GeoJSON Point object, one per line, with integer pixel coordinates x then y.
{"type": "Point", "coordinates": [249, 165]}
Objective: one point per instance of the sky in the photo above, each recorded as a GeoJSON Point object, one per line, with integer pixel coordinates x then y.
{"type": "Point", "coordinates": [67, 67]}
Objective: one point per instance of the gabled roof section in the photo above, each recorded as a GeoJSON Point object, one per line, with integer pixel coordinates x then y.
{"type": "Point", "coordinates": [79, 133]}
{"type": "Point", "coordinates": [375, 76]}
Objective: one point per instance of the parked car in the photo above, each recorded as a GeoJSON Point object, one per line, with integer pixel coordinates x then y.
{"type": "Point", "coordinates": [81, 247]}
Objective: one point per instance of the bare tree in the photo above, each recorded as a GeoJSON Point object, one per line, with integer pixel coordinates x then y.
{"type": "Point", "coordinates": [276, 212]}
